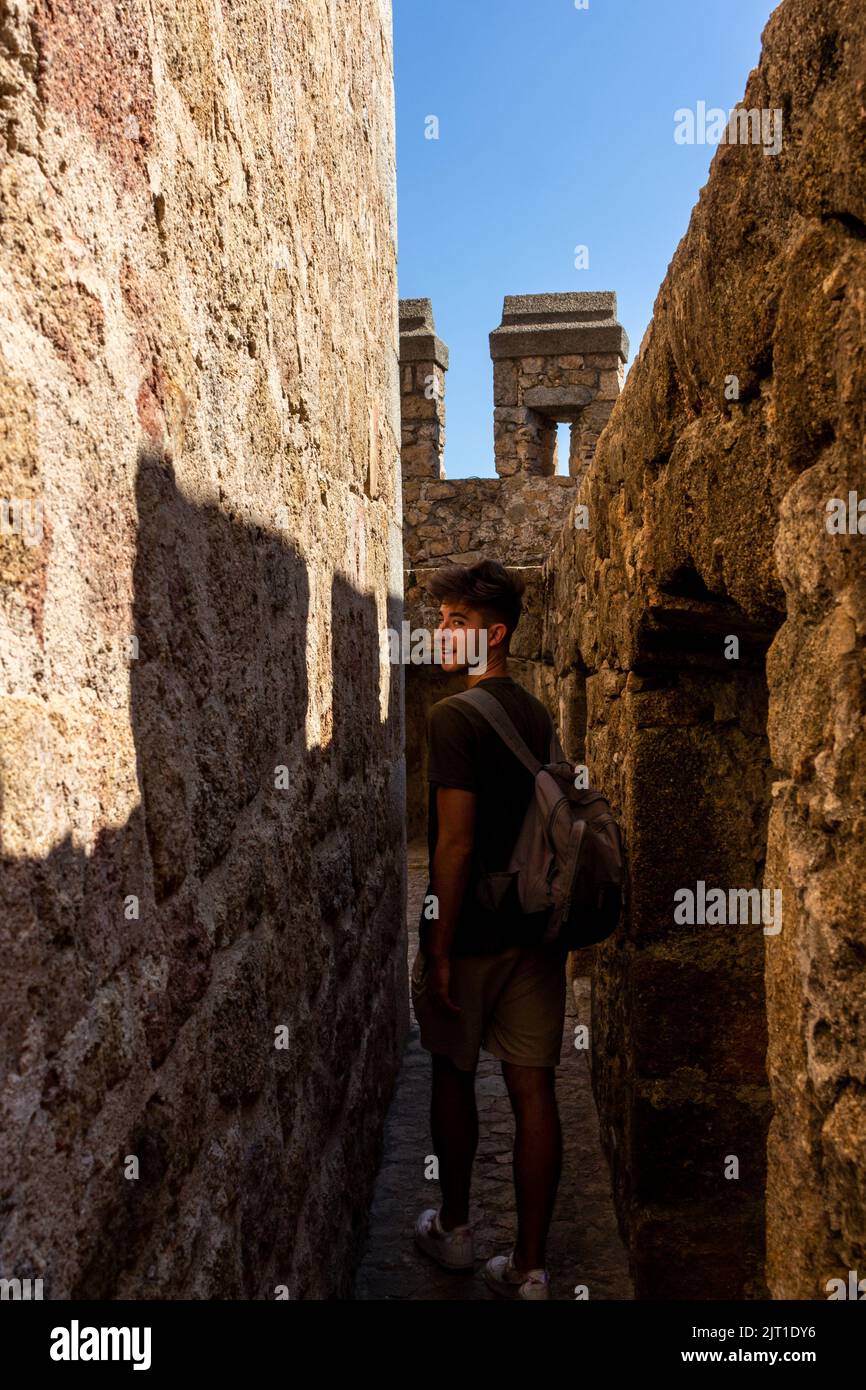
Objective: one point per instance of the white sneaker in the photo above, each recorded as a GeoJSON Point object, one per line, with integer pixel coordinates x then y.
{"type": "Point", "coordinates": [453, 1249]}
{"type": "Point", "coordinates": [501, 1276]}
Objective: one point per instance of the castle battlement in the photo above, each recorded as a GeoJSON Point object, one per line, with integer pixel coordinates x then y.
{"type": "Point", "coordinates": [557, 358]}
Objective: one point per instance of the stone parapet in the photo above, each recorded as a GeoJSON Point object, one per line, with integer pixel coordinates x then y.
{"type": "Point", "coordinates": [418, 339]}
{"type": "Point", "coordinates": [557, 359]}
{"type": "Point", "coordinates": [423, 364]}
{"type": "Point", "coordinates": [553, 325]}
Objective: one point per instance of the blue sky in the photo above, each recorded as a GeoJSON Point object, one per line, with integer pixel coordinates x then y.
{"type": "Point", "coordinates": [555, 130]}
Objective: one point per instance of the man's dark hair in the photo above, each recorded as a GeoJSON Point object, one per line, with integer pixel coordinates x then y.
{"type": "Point", "coordinates": [486, 586]}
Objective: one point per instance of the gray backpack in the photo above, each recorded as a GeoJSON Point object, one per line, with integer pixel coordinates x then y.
{"type": "Point", "coordinates": [566, 868]}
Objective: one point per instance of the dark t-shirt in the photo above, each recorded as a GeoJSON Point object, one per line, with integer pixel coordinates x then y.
{"type": "Point", "coordinates": [465, 752]}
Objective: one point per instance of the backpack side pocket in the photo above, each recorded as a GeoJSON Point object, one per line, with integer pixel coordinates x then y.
{"type": "Point", "coordinates": [496, 892]}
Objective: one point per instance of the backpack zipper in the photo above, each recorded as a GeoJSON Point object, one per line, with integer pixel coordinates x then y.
{"type": "Point", "coordinates": [563, 800]}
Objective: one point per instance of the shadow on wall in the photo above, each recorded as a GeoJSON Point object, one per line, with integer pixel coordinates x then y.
{"type": "Point", "coordinates": [259, 884]}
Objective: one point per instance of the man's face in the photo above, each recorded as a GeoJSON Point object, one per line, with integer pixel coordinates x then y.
{"type": "Point", "coordinates": [473, 637]}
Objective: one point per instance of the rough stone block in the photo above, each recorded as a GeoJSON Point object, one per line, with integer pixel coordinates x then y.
{"type": "Point", "coordinates": [504, 383]}
{"type": "Point", "coordinates": [558, 402]}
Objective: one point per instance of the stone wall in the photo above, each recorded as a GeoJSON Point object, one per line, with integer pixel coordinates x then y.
{"type": "Point", "coordinates": [202, 767]}
{"type": "Point", "coordinates": [742, 418]}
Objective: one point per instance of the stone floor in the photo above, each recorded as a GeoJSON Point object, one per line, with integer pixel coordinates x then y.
{"type": "Point", "coordinates": [584, 1245]}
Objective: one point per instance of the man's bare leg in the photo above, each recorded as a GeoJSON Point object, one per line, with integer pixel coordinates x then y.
{"type": "Point", "coordinates": [454, 1124]}
{"type": "Point", "coordinates": [537, 1158]}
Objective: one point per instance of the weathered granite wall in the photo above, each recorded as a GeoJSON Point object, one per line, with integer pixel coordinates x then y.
{"type": "Point", "coordinates": [556, 358]}
{"type": "Point", "coordinates": [202, 759]}
{"type": "Point", "coordinates": [710, 501]}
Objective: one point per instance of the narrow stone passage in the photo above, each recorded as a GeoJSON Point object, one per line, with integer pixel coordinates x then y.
{"type": "Point", "coordinates": [584, 1242]}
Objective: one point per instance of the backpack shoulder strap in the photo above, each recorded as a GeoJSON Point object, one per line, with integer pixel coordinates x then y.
{"type": "Point", "coordinates": [489, 707]}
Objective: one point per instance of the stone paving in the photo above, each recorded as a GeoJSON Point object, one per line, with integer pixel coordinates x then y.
{"type": "Point", "coordinates": [584, 1246]}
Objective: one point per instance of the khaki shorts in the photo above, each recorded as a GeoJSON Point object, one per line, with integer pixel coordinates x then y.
{"type": "Point", "coordinates": [512, 1004]}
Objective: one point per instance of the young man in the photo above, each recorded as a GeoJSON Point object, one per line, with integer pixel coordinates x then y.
{"type": "Point", "coordinates": [475, 981]}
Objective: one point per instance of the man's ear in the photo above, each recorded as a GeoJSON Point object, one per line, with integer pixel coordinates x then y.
{"type": "Point", "coordinates": [497, 633]}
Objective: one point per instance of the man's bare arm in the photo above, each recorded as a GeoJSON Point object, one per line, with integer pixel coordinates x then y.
{"type": "Point", "coordinates": [455, 811]}
{"type": "Point", "coordinates": [449, 875]}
